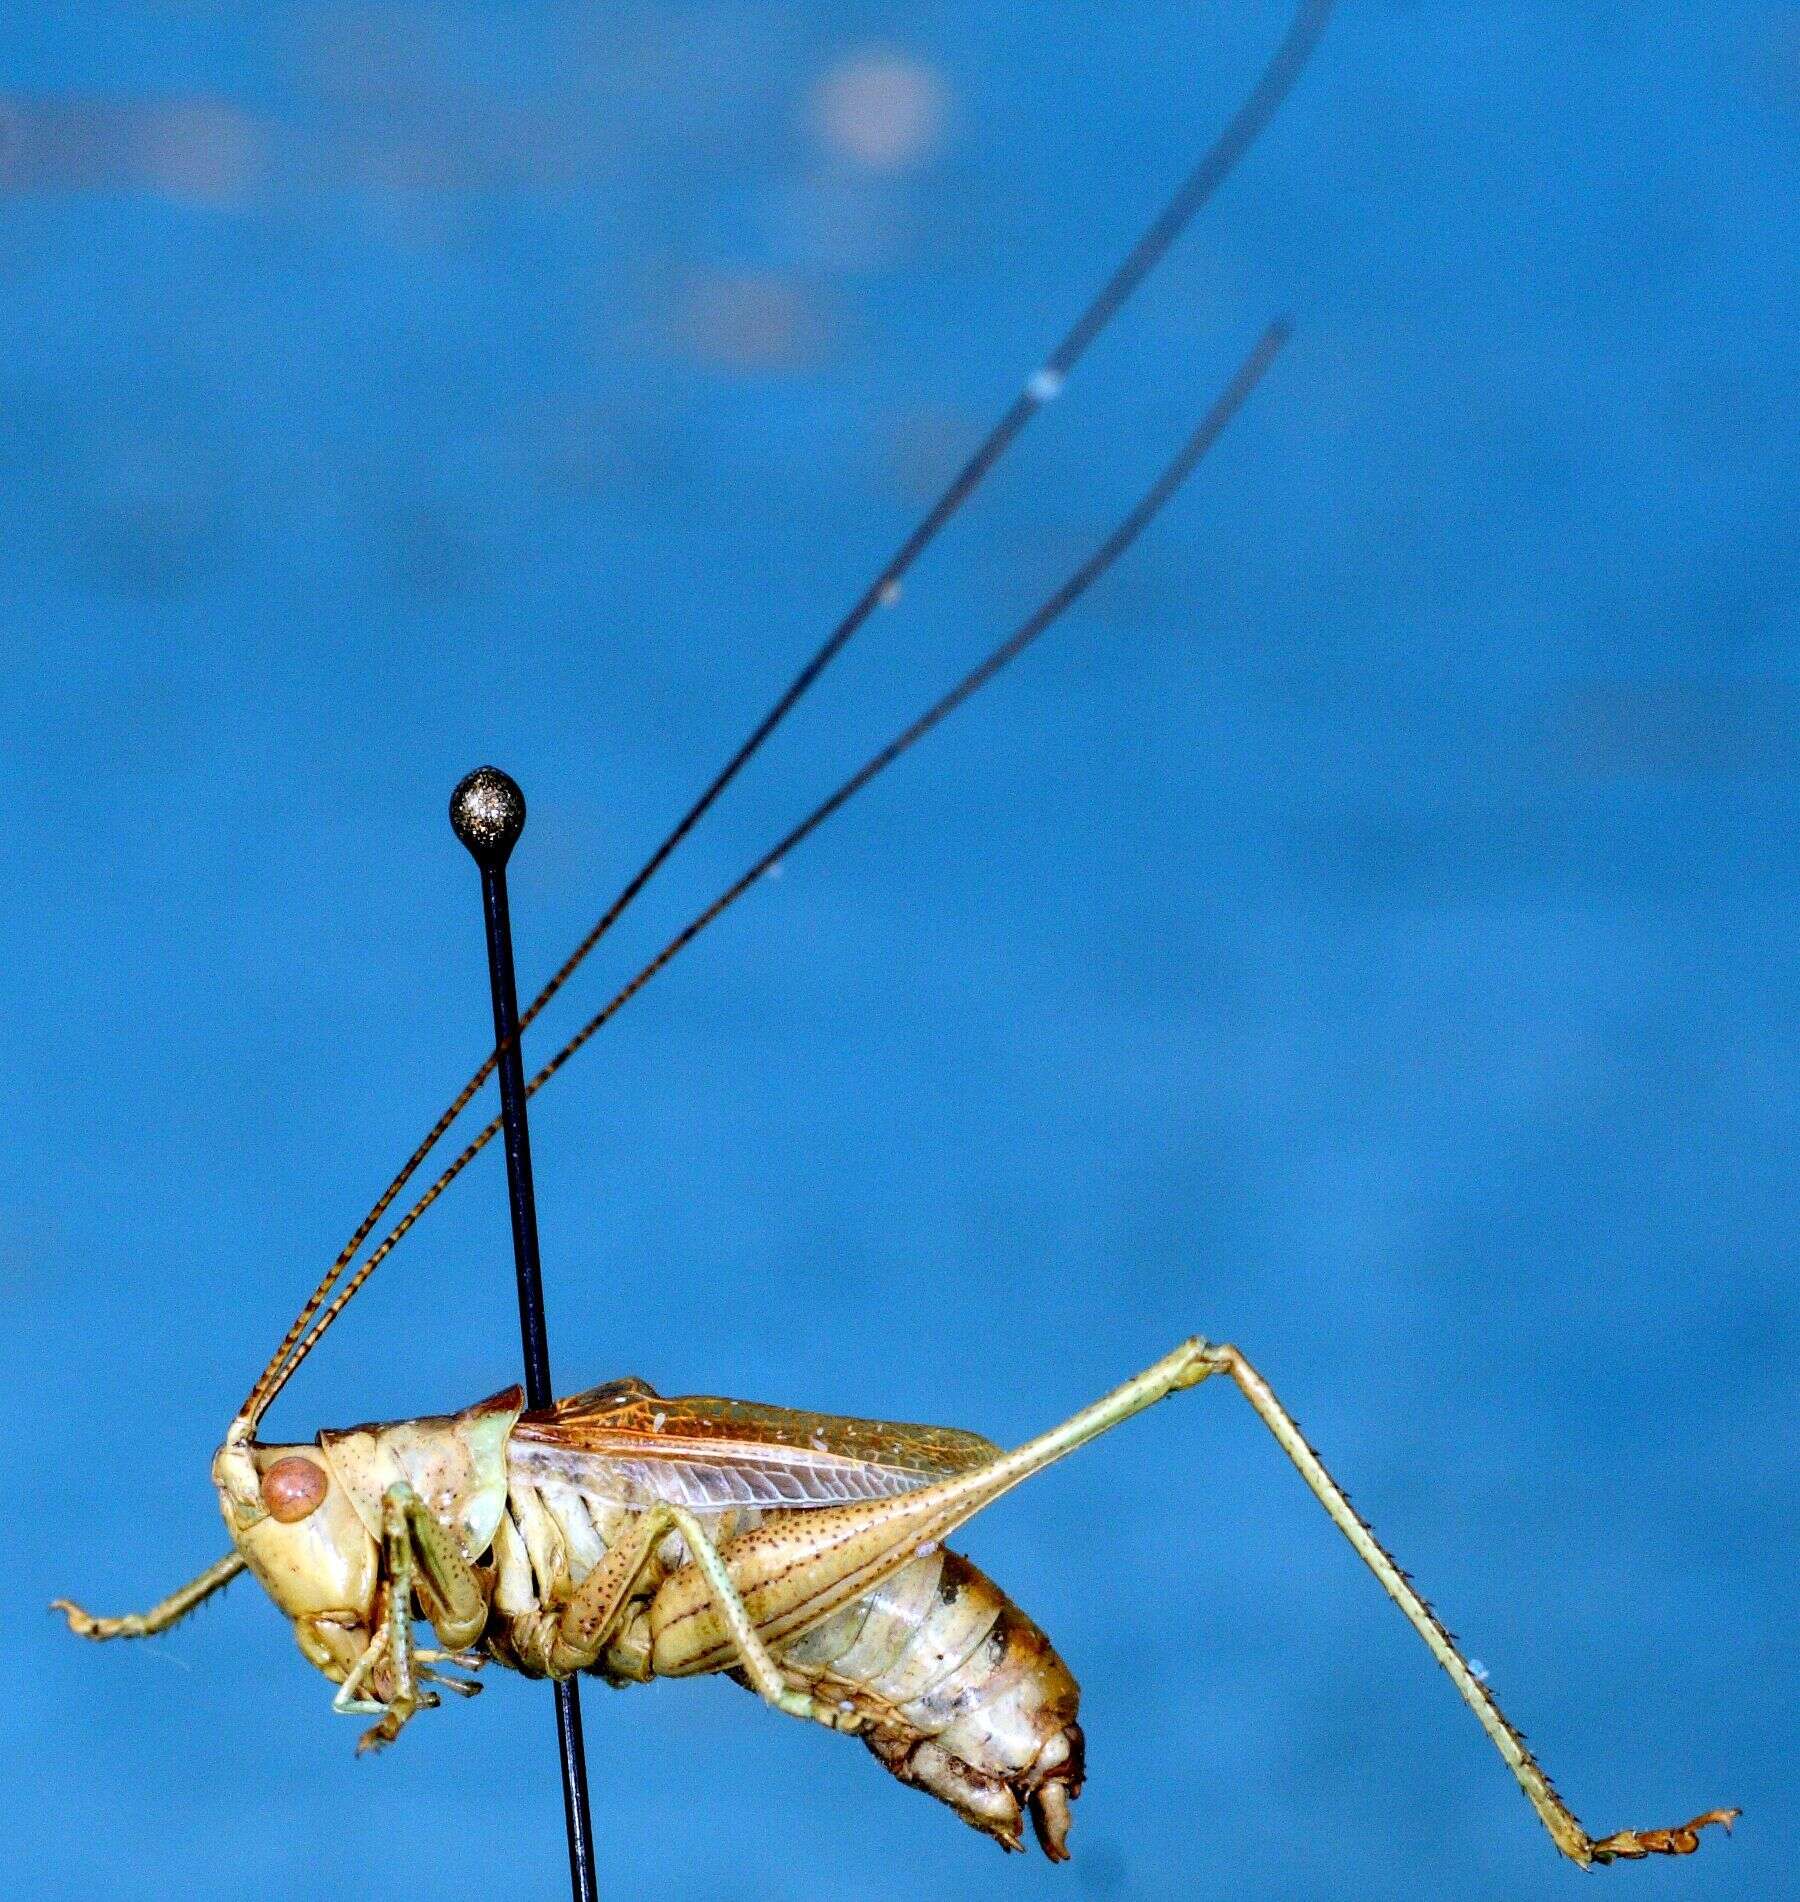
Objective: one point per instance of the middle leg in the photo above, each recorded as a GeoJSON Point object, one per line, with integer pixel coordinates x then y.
{"type": "Point", "coordinates": [597, 1612]}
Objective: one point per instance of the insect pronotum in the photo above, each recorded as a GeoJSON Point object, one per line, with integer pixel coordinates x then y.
{"type": "Point", "coordinates": [635, 1536]}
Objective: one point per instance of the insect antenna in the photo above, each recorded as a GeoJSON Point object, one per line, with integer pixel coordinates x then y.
{"type": "Point", "coordinates": [1225, 406]}
{"type": "Point", "coordinates": [1258, 107]}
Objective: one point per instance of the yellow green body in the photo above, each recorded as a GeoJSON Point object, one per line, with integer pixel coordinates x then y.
{"type": "Point", "coordinates": [808, 1563]}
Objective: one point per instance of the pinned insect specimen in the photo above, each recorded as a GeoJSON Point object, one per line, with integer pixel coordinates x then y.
{"type": "Point", "coordinates": [633, 1536]}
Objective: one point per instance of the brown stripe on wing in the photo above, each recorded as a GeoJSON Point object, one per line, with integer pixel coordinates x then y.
{"type": "Point", "coordinates": [627, 1443]}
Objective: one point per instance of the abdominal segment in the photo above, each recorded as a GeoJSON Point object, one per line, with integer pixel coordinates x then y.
{"type": "Point", "coordinates": [957, 1692]}
{"type": "Point", "coordinates": [946, 1681]}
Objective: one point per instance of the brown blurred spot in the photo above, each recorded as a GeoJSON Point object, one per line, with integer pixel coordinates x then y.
{"type": "Point", "coordinates": [751, 320]}
{"type": "Point", "coordinates": [148, 504]}
{"type": "Point", "coordinates": [429, 546]}
{"type": "Point", "coordinates": [206, 152]}
{"type": "Point", "coordinates": [203, 151]}
{"type": "Point", "coordinates": [881, 110]}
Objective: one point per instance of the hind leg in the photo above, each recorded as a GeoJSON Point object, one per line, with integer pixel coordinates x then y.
{"type": "Point", "coordinates": [797, 1568]}
{"type": "Point", "coordinates": [1553, 1812]}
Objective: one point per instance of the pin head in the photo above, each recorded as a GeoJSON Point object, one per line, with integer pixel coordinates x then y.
{"type": "Point", "coordinates": [487, 811]}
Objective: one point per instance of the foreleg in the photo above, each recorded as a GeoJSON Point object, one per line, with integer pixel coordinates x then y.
{"type": "Point", "coordinates": [1553, 1812]}
{"type": "Point", "coordinates": [419, 1553]}
{"type": "Point", "coordinates": [160, 1616]}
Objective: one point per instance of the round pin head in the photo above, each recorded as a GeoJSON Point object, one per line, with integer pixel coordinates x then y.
{"type": "Point", "coordinates": [487, 811]}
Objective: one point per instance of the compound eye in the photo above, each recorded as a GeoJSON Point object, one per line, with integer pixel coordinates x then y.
{"type": "Point", "coordinates": [292, 1488]}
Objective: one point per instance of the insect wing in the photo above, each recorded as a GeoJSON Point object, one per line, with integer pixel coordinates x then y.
{"type": "Point", "coordinates": [632, 1446]}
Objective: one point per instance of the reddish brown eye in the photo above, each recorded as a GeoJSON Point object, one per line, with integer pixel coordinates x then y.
{"type": "Point", "coordinates": [292, 1488]}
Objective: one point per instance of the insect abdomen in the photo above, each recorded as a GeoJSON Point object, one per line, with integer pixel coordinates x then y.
{"type": "Point", "coordinates": [956, 1691]}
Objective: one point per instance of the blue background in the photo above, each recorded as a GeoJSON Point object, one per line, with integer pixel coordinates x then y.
{"type": "Point", "coordinates": [1364, 931]}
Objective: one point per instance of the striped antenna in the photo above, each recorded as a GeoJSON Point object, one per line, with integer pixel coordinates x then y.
{"type": "Point", "coordinates": [1229, 401]}
{"type": "Point", "coordinates": [1221, 159]}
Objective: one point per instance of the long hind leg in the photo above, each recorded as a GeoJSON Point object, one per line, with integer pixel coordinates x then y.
{"type": "Point", "coordinates": [1553, 1812]}
{"type": "Point", "coordinates": [796, 1568]}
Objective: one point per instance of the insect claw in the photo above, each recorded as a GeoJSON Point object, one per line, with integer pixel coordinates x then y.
{"type": "Point", "coordinates": [380, 1735]}
{"type": "Point", "coordinates": [460, 1685]}
{"type": "Point", "coordinates": [1629, 1845]}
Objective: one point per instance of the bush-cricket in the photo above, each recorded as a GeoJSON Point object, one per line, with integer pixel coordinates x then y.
{"type": "Point", "coordinates": [634, 1536]}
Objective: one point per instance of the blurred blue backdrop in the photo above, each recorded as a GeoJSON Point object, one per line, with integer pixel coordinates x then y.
{"type": "Point", "coordinates": [1365, 930]}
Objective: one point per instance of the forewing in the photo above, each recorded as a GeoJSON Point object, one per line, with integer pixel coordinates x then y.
{"type": "Point", "coordinates": [628, 1444]}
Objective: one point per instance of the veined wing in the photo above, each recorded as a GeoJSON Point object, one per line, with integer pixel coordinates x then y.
{"type": "Point", "coordinates": [626, 1443]}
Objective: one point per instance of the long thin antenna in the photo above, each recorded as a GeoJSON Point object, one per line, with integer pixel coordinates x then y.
{"type": "Point", "coordinates": [1246, 125]}
{"type": "Point", "coordinates": [1229, 401]}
